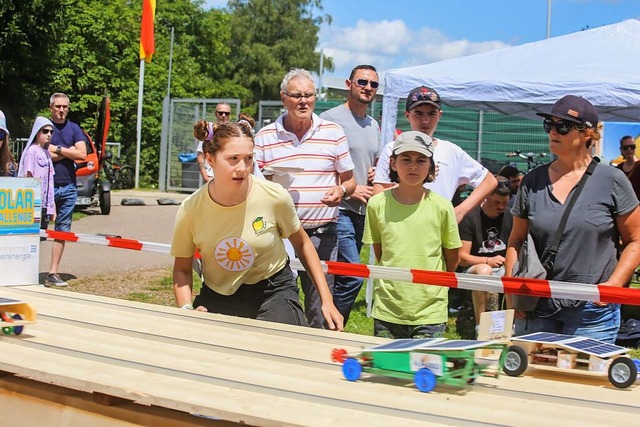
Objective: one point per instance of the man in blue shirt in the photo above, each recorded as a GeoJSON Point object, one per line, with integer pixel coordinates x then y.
{"type": "Point", "coordinates": [67, 145]}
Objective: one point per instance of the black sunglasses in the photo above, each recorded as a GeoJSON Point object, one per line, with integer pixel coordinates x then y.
{"type": "Point", "coordinates": [365, 82]}
{"type": "Point", "coordinates": [224, 113]}
{"type": "Point", "coordinates": [47, 131]}
{"type": "Point", "coordinates": [563, 127]}
{"type": "Point", "coordinates": [2, 134]}
{"type": "Point", "coordinates": [628, 147]}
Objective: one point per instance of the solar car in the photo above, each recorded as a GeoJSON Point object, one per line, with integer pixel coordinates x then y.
{"type": "Point", "coordinates": [570, 354]}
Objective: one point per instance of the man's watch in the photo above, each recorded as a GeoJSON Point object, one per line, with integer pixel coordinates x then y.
{"type": "Point", "coordinates": [344, 190]}
{"type": "Point", "coordinates": [58, 149]}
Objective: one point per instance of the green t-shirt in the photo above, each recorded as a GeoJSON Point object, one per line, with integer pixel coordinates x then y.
{"type": "Point", "coordinates": [411, 236]}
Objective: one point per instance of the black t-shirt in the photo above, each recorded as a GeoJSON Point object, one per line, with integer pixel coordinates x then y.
{"type": "Point", "coordinates": [488, 237]}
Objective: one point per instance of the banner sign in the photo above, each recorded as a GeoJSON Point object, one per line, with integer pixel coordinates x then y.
{"type": "Point", "coordinates": [20, 212]}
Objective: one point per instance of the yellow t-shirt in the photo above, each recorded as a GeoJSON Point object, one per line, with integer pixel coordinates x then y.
{"type": "Point", "coordinates": [239, 244]}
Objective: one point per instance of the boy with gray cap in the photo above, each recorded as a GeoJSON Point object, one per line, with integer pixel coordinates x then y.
{"type": "Point", "coordinates": [392, 222]}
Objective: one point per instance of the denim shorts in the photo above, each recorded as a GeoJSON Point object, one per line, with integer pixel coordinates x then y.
{"type": "Point", "coordinates": [65, 197]}
{"type": "Point", "coordinates": [588, 320]}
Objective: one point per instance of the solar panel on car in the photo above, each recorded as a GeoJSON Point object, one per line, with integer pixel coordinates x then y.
{"type": "Point", "coordinates": [595, 347]}
{"type": "Point", "coordinates": [544, 337]}
{"type": "Point", "coordinates": [455, 345]}
{"type": "Point", "coordinates": [403, 344]}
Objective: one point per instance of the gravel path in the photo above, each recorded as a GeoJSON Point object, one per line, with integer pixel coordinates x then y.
{"type": "Point", "coordinates": [151, 223]}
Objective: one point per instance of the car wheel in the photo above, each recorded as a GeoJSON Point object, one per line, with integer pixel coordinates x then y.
{"type": "Point", "coordinates": [105, 202]}
{"type": "Point", "coordinates": [622, 372]}
{"type": "Point", "coordinates": [514, 361]}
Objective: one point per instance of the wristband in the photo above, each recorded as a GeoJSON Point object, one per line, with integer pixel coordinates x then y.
{"type": "Point", "coordinates": [187, 307]}
{"type": "Point", "coordinates": [58, 149]}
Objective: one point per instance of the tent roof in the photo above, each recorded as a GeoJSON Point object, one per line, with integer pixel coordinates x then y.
{"type": "Point", "coordinates": [600, 64]}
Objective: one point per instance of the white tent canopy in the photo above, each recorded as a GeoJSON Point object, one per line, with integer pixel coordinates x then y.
{"type": "Point", "coordinates": [601, 64]}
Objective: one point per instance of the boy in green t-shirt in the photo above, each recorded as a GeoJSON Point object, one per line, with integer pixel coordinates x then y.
{"type": "Point", "coordinates": [411, 227]}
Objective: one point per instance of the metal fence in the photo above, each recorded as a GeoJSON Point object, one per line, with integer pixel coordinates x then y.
{"type": "Point", "coordinates": [488, 137]}
{"type": "Point", "coordinates": [178, 167]}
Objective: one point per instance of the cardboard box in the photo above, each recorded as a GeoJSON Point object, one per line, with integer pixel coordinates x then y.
{"type": "Point", "coordinates": [596, 364]}
{"type": "Point", "coordinates": [567, 360]}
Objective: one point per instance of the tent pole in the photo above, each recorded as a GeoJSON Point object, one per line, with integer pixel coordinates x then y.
{"type": "Point", "coordinates": [480, 130]}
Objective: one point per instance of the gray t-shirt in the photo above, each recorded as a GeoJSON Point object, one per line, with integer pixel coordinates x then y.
{"type": "Point", "coordinates": [363, 137]}
{"type": "Point", "coordinates": [587, 251]}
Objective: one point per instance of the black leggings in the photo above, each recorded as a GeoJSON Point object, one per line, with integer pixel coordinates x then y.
{"type": "Point", "coordinates": [274, 299]}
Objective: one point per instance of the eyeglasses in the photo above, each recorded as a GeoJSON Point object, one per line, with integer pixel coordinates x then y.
{"type": "Point", "coordinates": [628, 147]}
{"type": "Point", "coordinates": [365, 82]}
{"type": "Point", "coordinates": [47, 131]}
{"type": "Point", "coordinates": [223, 113]}
{"type": "Point", "coordinates": [298, 96]}
{"type": "Point", "coordinates": [563, 127]}
{"type": "Point", "coordinates": [2, 134]}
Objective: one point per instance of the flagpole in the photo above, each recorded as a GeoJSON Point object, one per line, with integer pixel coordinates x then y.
{"type": "Point", "coordinates": [139, 123]}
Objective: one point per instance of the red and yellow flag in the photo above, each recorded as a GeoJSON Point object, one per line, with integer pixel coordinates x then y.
{"type": "Point", "coordinates": [147, 47]}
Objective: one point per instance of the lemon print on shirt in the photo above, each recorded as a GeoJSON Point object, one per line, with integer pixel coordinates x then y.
{"type": "Point", "coordinates": [258, 225]}
{"type": "Point", "coordinates": [234, 254]}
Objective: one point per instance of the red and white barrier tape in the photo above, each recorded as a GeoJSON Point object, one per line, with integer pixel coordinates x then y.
{"type": "Point", "coordinates": [507, 285]}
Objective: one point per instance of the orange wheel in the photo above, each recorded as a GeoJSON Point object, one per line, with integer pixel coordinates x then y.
{"type": "Point", "coordinates": [339, 355]}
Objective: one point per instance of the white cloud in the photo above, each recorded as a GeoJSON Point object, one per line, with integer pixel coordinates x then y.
{"type": "Point", "coordinates": [391, 44]}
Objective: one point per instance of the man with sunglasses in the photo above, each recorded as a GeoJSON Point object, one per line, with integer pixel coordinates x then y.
{"type": "Point", "coordinates": [630, 164]}
{"type": "Point", "coordinates": [363, 135]}
{"type": "Point", "coordinates": [223, 115]}
{"type": "Point", "coordinates": [67, 145]}
{"type": "Point", "coordinates": [455, 167]}
{"type": "Point", "coordinates": [314, 154]}
{"type": "Point", "coordinates": [484, 233]}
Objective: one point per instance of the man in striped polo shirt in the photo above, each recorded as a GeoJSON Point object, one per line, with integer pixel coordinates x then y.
{"type": "Point", "coordinates": [314, 155]}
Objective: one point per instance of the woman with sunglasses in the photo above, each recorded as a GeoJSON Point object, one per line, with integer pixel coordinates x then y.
{"type": "Point", "coordinates": [7, 163]}
{"type": "Point", "coordinates": [36, 162]}
{"type": "Point", "coordinates": [604, 211]}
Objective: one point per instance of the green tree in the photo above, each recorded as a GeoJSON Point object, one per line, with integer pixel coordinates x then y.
{"type": "Point", "coordinates": [28, 35]}
{"type": "Point", "coordinates": [269, 37]}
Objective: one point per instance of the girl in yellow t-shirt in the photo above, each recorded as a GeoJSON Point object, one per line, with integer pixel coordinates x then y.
{"type": "Point", "coordinates": [238, 223]}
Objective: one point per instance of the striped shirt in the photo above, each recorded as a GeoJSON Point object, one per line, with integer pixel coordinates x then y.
{"type": "Point", "coordinates": [323, 153]}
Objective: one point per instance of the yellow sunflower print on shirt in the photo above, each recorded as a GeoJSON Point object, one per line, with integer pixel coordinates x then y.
{"type": "Point", "coordinates": [234, 254]}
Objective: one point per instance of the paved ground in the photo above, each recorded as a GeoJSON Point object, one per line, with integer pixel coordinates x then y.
{"type": "Point", "coordinates": [151, 223]}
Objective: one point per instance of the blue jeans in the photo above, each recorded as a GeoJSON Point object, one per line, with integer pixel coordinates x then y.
{"type": "Point", "coordinates": [65, 198]}
{"type": "Point", "coordinates": [325, 241]}
{"type": "Point", "coordinates": [350, 228]}
{"type": "Point", "coordinates": [588, 320]}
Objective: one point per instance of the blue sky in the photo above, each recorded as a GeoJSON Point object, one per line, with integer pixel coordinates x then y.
{"type": "Point", "coordinates": [397, 33]}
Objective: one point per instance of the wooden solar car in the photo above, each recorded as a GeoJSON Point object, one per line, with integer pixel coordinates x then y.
{"type": "Point", "coordinates": [425, 361]}
{"type": "Point", "coordinates": [570, 354]}
{"type": "Point", "coordinates": [14, 315]}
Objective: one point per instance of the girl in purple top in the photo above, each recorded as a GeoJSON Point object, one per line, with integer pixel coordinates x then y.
{"type": "Point", "coordinates": [36, 162]}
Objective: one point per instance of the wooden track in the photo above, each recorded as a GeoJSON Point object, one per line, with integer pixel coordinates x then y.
{"type": "Point", "coordinates": [134, 355]}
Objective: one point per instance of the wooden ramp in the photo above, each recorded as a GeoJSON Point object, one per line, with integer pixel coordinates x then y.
{"type": "Point", "coordinates": [116, 362]}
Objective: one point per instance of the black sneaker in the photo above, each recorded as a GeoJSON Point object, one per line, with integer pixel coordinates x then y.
{"type": "Point", "coordinates": [55, 280]}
